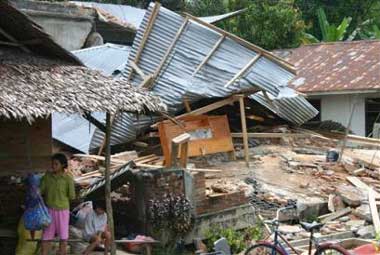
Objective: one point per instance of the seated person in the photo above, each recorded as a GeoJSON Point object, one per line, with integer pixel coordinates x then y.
{"type": "Point", "coordinates": [95, 228]}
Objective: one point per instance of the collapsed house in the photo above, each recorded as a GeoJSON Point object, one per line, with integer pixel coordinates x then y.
{"type": "Point", "coordinates": [197, 63]}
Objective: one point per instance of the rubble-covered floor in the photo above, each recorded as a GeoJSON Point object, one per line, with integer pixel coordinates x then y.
{"type": "Point", "coordinates": [294, 170]}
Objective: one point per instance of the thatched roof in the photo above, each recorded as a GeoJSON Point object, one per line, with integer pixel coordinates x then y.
{"type": "Point", "coordinates": [33, 86]}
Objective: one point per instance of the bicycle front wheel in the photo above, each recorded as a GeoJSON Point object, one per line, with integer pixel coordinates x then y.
{"type": "Point", "coordinates": [264, 249]}
{"type": "Point", "coordinates": [331, 249]}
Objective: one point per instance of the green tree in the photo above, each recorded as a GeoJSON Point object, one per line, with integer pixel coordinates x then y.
{"type": "Point", "coordinates": [329, 32]}
{"type": "Point", "coordinates": [206, 7]}
{"type": "Point", "coordinates": [269, 24]}
{"type": "Point", "coordinates": [336, 10]}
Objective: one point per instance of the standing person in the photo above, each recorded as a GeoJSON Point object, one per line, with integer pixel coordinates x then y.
{"type": "Point", "coordinates": [57, 187]}
{"type": "Point", "coordinates": [95, 228]}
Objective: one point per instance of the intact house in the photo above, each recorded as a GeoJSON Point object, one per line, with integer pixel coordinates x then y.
{"type": "Point", "coordinates": [338, 78]}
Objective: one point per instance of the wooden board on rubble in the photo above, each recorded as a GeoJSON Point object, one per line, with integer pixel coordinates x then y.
{"type": "Point", "coordinates": [220, 140]}
{"type": "Point", "coordinates": [374, 211]}
{"type": "Point", "coordinates": [361, 185]}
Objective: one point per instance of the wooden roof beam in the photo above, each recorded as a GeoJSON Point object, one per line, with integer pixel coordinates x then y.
{"type": "Point", "coordinates": [206, 109]}
{"type": "Point", "coordinates": [243, 70]}
{"type": "Point", "coordinates": [147, 31]}
{"type": "Point", "coordinates": [13, 40]}
{"type": "Point", "coordinates": [169, 50]}
{"type": "Point", "coordinates": [216, 46]}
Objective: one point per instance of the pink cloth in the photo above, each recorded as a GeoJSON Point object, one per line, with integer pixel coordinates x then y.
{"type": "Point", "coordinates": [59, 225]}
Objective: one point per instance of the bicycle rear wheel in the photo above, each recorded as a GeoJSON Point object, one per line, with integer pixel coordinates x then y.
{"type": "Point", "coordinates": [264, 249]}
{"type": "Point", "coordinates": [331, 249]}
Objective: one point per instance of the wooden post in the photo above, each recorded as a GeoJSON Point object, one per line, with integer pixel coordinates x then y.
{"type": "Point", "coordinates": [187, 104]}
{"type": "Point", "coordinates": [244, 129]}
{"type": "Point", "coordinates": [184, 154]}
{"type": "Point", "coordinates": [108, 183]}
{"type": "Point", "coordinates": [183, 141]}
{"type": "Point", "coordinates": [347, 131]}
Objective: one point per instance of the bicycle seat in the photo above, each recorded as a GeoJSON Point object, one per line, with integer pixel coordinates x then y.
{"type": "Point", "coordinates": [309, 227]}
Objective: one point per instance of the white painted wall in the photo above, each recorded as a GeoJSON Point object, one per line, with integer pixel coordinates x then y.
{"type": "Point", "coordinates": [338, 108]}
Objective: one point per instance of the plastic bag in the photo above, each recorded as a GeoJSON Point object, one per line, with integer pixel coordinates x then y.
{"type": "Point", "coordinates": [36, 215]}
{"type": "Point", "coordinates": [80, 213]}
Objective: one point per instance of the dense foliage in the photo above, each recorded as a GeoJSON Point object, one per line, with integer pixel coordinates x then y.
{"type": "Point", "coordinates": [274, 24]}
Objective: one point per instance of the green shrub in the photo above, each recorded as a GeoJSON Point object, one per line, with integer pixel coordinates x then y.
{"type": "Point", "coordinates": [237, 240]}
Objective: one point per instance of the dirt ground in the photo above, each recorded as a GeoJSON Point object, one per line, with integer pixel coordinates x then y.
{"type": "Point", "coordinates": [266, 166]}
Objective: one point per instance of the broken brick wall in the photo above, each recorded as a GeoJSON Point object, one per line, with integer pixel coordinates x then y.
{"type": "Point", "coordinates": [215, 202]}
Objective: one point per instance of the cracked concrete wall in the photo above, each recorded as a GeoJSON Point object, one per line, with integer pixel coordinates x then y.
{"type": "Point", "coordinates": [71, 34]}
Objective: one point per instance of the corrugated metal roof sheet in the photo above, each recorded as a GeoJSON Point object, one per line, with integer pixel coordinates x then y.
{"type": "Point", "coordinates": [338, 66]}
{"type": "Point", "coordinates": [176, 81]}
{"type": "Point", "coordinates": [106, 58]}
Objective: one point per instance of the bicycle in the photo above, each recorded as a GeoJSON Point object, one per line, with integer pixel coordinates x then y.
{"type": "Point", "coordinates": [277, 248]}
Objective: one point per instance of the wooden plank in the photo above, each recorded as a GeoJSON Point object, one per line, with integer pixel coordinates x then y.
{"type": "Point", "coordinates": [204, 170]}
{"type": "Point", "coordinates": [187, 105]}
{"type": "Point", "coordinates": [205, 109]}
{"type": "Point", "coordinates": [149, 166]}
{"type": "Point", "coordinates": [216, 46]}
{"type": "Point", "coordinates": [374, 211]}
{"type": "Point", "coordinates": [10, 43]}
{"type": "Point", "coordinates": [144, 157]}
{"type": "Point", "coordinates": [149, 160]}
{"type": "Point", "coordinates": [359, 171]}
{"type": "Point", "coordinates": [337, 215]}
{"type": "Point", "coordinates": [361, 185]}
{"type": "Point", "coordinates": [168, 51]}
{"type": "Point", "coordinates": [101, 158]}
{"type": "Point", "coordinates": [244, 130]}
{"type": "Point", "coordinates": [90, 173]}
{"type": "Point", "coordinates": [247, 44]}
{"type": "Point", "coordinates": [12, 39]}
{"type": "Point", "coordinates": [183, 138]}
{"type": "Point", "coordinates": [243, 70]}
{"type": "Point", "coordinates": [147, 31]}
{"type": "Point", "coordinates": [126, 155]}
{"type": "Point", "coordinates": [270, 135]}
{"type": "Point", "coordinates": [137, 69]}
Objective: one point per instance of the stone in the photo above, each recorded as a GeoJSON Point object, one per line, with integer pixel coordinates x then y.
{"type": "Point", "coordinates": [363, 212]}
{"type": "Point", "coordinates": [259, 151]}
{"type": "Point", "coordinates": [350, 195]}
{"type": "Point", "coordinates": [355, 223]}
{"type": "Point", "coordinates": [311, 208]}
{"type": "Point", "coordinates": [344, 219]}
{"type": "Point", "coordinates": [366, 232]}
{"type": "Point", "coordinates": [290, 229]}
